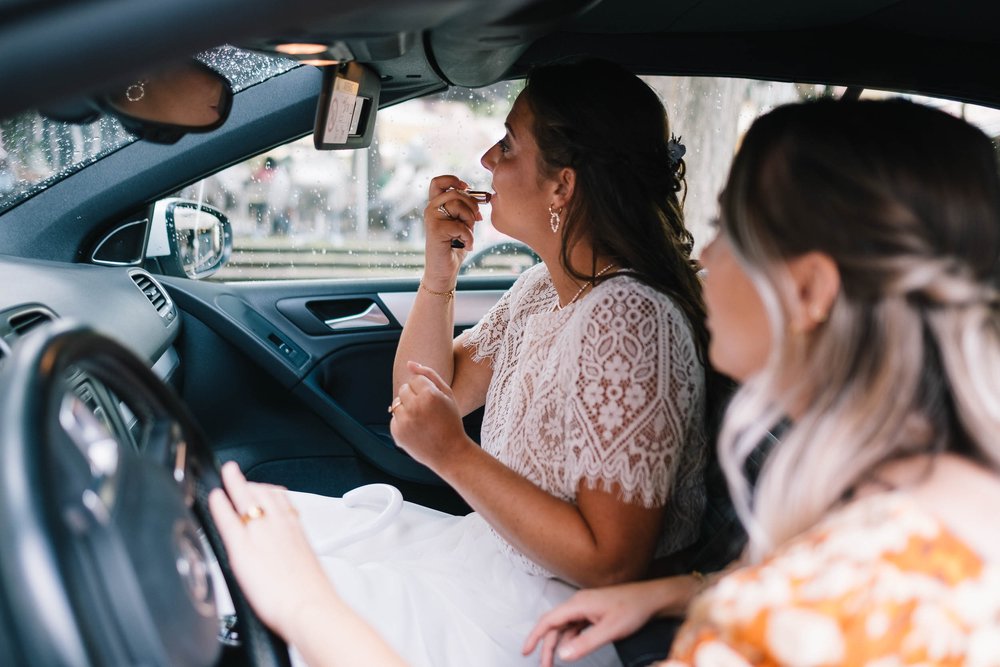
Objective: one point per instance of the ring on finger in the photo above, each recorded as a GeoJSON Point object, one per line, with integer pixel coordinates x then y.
{"type": "Point", "coordinates": [443, 210]}
{"type": "Point", "coordinates": [395, 404]}
{"type": "Point", "coordinates": [253, 512]}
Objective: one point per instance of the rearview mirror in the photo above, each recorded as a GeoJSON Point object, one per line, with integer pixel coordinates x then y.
{"type": "Point", "coordinates": [189, 239]}
{"type": "Point", "coordinates": [165, 105]}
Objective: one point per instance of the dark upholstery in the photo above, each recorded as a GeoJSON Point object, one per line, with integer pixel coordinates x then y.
{"type": "Point", "coordinates": [720, 542]}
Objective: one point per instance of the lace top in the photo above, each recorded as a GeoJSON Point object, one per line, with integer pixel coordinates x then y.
{"type": "Point", "coordinates": [608, 390]}
{"type": "Point", "coordinates": [879, 583]}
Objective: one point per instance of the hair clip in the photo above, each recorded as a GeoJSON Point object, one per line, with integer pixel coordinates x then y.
{"type": "Point", "coordinates": [675, 151]}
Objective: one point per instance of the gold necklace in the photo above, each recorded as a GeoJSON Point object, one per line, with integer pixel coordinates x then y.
{"type": "Point", "coordinates": [589, 283]}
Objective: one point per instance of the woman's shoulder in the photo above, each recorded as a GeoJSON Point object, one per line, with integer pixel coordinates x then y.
{"type": "Point", "coordinates": [858, 555]}
{"type": "Point", "coordinates": [882, 563]}
{"type": "Point", "coordinates": [534, 283]}
{"type": "Point", "coordinates": [952, 488]}
{"type": "Point", "coordinates": [891, 531]}
{"type": "Point", "coordinates": [626, 296]}
{"type": "Point", "coordinates": [535, 275]}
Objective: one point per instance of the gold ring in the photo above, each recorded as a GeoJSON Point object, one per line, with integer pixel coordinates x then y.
{"type": "Point", "coordinates": [253, 512]}
{"type": "Point", "coordinates": [443, 210]}
{"type": "Point", "coordinates": [395, 404]}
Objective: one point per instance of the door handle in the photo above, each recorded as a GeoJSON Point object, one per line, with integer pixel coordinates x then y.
{"type": "Point", "coordinates": [369, 318]}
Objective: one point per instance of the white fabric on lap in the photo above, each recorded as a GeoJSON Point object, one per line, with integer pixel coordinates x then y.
{"type": "Point", "coordinates": [435, 586]}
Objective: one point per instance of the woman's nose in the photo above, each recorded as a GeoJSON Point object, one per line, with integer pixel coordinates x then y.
{"type": "Point", "coordinates": [488, 159]}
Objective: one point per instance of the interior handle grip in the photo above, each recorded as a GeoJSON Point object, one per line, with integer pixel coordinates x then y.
{"type": "Point", "coordinates": [369, 318]}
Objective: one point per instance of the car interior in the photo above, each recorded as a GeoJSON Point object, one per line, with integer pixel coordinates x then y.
{"type": "Point", "coordinates": [131, 345]}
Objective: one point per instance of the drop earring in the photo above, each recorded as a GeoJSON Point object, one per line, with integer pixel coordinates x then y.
{"type": "Point", "coordinates": [554, 219]}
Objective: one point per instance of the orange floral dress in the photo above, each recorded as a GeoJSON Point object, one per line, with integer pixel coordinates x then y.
{"type": "Point", "coordinates": [880, 583]}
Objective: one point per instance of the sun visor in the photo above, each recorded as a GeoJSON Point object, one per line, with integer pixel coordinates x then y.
{"type": "Point", "coordinates": [345, 115]}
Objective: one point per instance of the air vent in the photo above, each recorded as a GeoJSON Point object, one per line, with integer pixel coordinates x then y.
{"type": "Point", "coordinates": [156, 294]}
{"type": "Point", "coordinates": [27, 320]}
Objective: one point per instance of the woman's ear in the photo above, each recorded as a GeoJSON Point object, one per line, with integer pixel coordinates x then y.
{"type": "Point", "coordinates": [817, 283]}
{"type": "Point", "coordinates": [565, 184]}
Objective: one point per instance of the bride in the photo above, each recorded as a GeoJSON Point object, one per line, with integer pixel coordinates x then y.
{"type": "Point", "coordinates": [591, 372]}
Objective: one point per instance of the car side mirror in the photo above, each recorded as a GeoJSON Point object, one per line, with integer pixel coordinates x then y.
{"type": "Point", "coordinates": [188, 239]}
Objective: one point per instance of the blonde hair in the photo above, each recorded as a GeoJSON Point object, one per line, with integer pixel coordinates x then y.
{"type": "Point", "coordinates": [906, 200]}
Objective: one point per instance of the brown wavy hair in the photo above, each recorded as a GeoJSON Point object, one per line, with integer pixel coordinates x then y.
{"type": "Point", "coordinates": [606, 124]}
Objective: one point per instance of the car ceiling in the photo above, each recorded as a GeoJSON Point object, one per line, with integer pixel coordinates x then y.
{"type": "Point", "coordinates": [51, 49]}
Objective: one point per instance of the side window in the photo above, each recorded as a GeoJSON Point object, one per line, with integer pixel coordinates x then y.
{"type": "Point", "coordinates": [301, 213]}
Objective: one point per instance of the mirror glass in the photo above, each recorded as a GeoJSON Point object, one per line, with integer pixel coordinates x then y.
{"type": "Point", "coordinates": [191, 96]}
{"type": "Point", "coordinates": [203, 236]}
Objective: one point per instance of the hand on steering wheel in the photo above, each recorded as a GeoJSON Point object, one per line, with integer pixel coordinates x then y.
{"type": "Point", "coordinates": [109, 566]}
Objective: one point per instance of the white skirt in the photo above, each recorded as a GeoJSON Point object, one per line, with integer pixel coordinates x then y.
{"type": "Point", "coordinates": [435, 586]}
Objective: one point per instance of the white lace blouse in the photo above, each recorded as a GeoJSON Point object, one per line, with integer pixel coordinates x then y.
{"type": "Point", "coordinates": [608, 390]}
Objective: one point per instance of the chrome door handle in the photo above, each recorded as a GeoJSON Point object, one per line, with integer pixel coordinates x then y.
{"type": "Point", "coordinates": [369, 318]}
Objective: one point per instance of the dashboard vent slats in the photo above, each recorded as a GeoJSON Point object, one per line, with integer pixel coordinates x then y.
{"type": "Point", "coordinates": [24, 322]}
{"type": "Point", "coordinates": [156, 295]}
{"type": "Point", "coordinates": [19, 321]}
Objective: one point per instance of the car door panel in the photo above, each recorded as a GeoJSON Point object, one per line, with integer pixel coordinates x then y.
{"type": "Point", "coordinates": [320, 317]}
{"type": "Point", "coordinates": [310, 399]}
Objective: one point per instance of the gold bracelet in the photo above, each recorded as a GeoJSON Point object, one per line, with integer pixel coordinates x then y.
{"type": "Point", "coordinates": [450, 294]}
{"type": "Point", "coordinates": [700, 579]}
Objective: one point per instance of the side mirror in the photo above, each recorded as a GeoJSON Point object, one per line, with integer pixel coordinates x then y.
{"type": "Point", "coordinates": [189, 239]}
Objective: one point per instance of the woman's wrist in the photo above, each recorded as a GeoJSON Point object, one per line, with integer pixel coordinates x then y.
{"type": "Point", "coordinates": [674, 594]}
{"type": "Point", "coordinates": [322, 604]}
{"type": "Point", "coordinates": [439, 284]}
{"type": "Point", "coordinates": [458, 458]}
{"type": "Point", "coordinates": [444, 294]}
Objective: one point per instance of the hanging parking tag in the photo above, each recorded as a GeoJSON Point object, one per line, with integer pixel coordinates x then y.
{"type": "Point", "coordinates": [342, 111]}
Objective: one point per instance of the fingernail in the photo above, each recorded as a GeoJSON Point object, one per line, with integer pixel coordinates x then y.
{"type": "Point", "coordinates": [566, 652]}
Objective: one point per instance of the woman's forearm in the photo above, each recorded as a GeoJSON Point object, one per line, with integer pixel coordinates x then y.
{"type": "Point", "coordinates": [328, 633]}
{"type": "Point", "coordinates": [427, 336]}
{"type": "Point", "coordinates": [614, 547]}
{"type": "Point", "coordinates": [669, 597]}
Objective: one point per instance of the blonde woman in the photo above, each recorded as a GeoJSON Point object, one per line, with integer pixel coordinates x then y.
{"type": "Point", "coordinates": [853, 287]}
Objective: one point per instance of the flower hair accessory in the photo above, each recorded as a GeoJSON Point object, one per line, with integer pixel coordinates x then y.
{"type": "Point", "coordinates": [675, 151]}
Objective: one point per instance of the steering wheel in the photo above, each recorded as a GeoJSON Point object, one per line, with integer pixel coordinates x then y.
{"type": "Point", "coordinates": [103, 527]}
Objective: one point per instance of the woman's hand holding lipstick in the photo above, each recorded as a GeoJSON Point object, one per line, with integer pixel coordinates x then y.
{"type": "Point", "coordinates": [481, 197]}
{"type": "Point", "coordinates": [452, 211]}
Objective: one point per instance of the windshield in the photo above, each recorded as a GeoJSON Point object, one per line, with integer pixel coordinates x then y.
{"type": "Point", "coordinates": [36, 152]}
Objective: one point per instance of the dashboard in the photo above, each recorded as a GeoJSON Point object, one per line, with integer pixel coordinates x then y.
{"type": "Point", "coordinates": [124, 303]}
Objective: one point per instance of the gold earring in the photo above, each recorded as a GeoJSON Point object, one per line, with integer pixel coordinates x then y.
{"type": "Point", "coordinates": [554, 219]}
